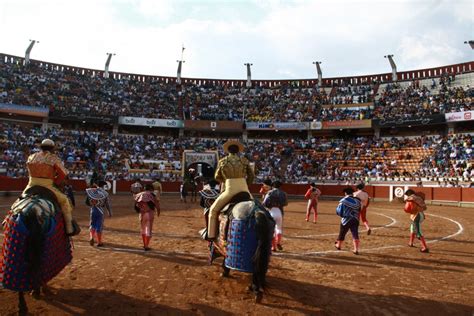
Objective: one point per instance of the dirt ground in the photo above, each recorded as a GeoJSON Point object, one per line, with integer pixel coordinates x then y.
{"type": "Point", "coordinates": [308, 277]}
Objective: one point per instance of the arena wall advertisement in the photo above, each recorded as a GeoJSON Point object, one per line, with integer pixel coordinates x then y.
{"type": "Point", "coordinates": [347, 124]}
{"type": "Point", "coordinates": [459, 116]}
{"type": "Point", "coordinates": [24, 110]}
{"type": "Point", "coordinates": [315, 125]}
{"type": "Point", "coordinates": [277, 125]}
{"type": "Point", "coordinates": [395, 122]}
{"type": "Point", "coordinates": [82, 117]}
{"type": "Point", "coordinates": [214, 125]}
{"type": "Point", "coordinates": [150, 122]}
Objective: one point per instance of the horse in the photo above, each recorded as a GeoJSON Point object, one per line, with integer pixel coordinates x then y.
{"type": "Point", "coordinates": [245, 236]}
{"type": "Point", "coordinates": [192, 183]}
{"type": "Point", "coordinates": [35, 245]}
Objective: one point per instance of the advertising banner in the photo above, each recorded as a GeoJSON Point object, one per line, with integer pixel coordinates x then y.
{"type": "Point", "coordinates": [315, 125]}
{"type": "Point", "coordinates": [347, 124]}
{"type": "Point", "coordinates": [213, 125]}
{"type": "Point", "coordinates": [150, 122]}
{"type": "Point", "coordinates": [84, 118]}
{"type": "Point", "coordinates": [24, 110]}
{"type": "Point", "coordinates": [396, 122]}
{"type": "Point", "coordinates": [459, 116]}
{"type": "Point", "coordinates": [277, 125]}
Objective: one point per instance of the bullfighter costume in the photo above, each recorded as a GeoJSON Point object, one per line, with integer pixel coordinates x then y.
{"type": "Point", "coordinates": [47, 170]}
{"type": "Point", "coordinates": [312, 195]}
{"type": "Point", "coordinates": [235, 173]}
{"type": "Point", "coordinates": [364, 201]}
{"type": "Point", "coordinates": [349, 209]}
{"type": "Point", "coordinates": [275, 201]}
{"type": "Point", "coordinates": [415, 205]}
{"type": "Point", "coordinates": [145, 205]}
{"type": "Point", "coordinates": [98, 200]}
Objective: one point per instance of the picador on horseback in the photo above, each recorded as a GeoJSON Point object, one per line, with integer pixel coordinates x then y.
{"type": "Point", "coordinates": [238, 227]}
{"type": "Point", "coordinates": [36, 245]}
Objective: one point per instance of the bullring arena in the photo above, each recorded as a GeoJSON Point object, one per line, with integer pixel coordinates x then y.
{"type": "Point", "coordinates": [308, 277]}
{"type": "Point", "coordinates": [224, 98]}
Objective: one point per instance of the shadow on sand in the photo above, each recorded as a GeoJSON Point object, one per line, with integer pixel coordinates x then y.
{"type": "Point", "coordinates": [326, 300]}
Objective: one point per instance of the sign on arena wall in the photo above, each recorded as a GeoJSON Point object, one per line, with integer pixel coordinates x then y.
{"type": "Point", "coordinates": [277, 125]}
{"type": "Point", "coordinates": [315, 125]}
{"type": "Point", "coordinates": [413, 121]}
{"type": "Point", "coordinates": [209, 157]}
{"type": "Point", "coordinates": [459, 116]}
{"type": "Point", "coordinates": [204, 125]}
{"type": "Point", "coordinates": [347, 124]}
{"type": "Point", "coordinates": [83, 117]}
{"type": "Point", "coordinates": [150, 122]}
{"type": "Point", "coordinates": [24, 110]}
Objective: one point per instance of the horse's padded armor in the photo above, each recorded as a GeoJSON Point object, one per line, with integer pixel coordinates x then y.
{"type": "Point", "coordinates": [241, 244]}
{"type": "Point", "coordinates": [17, 269]}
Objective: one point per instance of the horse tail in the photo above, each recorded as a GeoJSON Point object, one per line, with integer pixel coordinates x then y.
{"type": "Point", "coordinates": [264, 228]}
{"type": "Point", "coordinates": [34, 242]}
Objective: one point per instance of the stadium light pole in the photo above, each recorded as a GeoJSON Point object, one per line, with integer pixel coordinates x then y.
{"type": "Point", "coordinates": [249, 75]}
{"type": "Point", "coordinates": [319, 71]}
{"type": "Point", "coordinates": [471, 43]}
{"type": "Point", "coordinates": [248, 84]}
{"type": "Point", "coordinates": [107, 64]}
{"type": "Point", "coordinates": [393, 65]}
{"type": "Point", "coordinates": [28, 51]}
{"type": "Point", "coordinates": [180, 66]}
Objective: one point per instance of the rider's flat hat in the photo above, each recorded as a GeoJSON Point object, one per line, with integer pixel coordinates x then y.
{"type": "Point", "coordinates": [47, 143]}
{"type": "Point", "coordinates": [231, 142]}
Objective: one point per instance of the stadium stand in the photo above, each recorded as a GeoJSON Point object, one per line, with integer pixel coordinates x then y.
{"type": "Point", "coordinates": [320, 139]}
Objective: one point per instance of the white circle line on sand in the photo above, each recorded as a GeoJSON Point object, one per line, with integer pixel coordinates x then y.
{"type": "Point", "coordinates": [393, 222]}
{"type": "Point", "coordinates": [458, 232]}
{"type": "Point", "coordinates": [293, 254]}
{"type": "Point", "coordinates": [130, 250]}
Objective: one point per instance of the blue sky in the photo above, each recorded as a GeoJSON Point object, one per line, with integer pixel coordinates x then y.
{"type": "Point", "coordinates": [281, 38]}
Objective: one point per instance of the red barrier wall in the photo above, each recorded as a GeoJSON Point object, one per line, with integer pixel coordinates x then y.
{"type": "Point", "coordinates": [467, 194]}
{"type": "Point", "coordinates": [427, 191]}
{"type": "Point", "coordinates": [379, 192]}
{"type": "Point", "coordinates": [447, 194]}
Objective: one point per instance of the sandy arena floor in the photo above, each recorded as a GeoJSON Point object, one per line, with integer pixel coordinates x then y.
{"type": "Point", "coordinates": [308, 277]}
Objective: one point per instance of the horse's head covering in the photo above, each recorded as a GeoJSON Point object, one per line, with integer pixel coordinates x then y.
{"type": "Point", "coordinates": [47, 142]}
{"type": "Point", "coordinates": [96, 194]}
{"type": "Point", "coordinates": [231, 142]}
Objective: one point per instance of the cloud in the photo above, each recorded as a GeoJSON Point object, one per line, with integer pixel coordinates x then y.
{"type": "Point", "coordinates": [427, 51]}
{"type": "Point", "coordinates": [281, 38]}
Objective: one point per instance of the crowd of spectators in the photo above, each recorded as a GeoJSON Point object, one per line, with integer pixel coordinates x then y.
{"type": "Point", "coordinates": [350, 94]}
{"type": "Point", "coordinates": [417, 101]}
{"type": "Point", "coordinates": [293, 160]}
{"type": "Point", "coordinates": [75, 93]}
